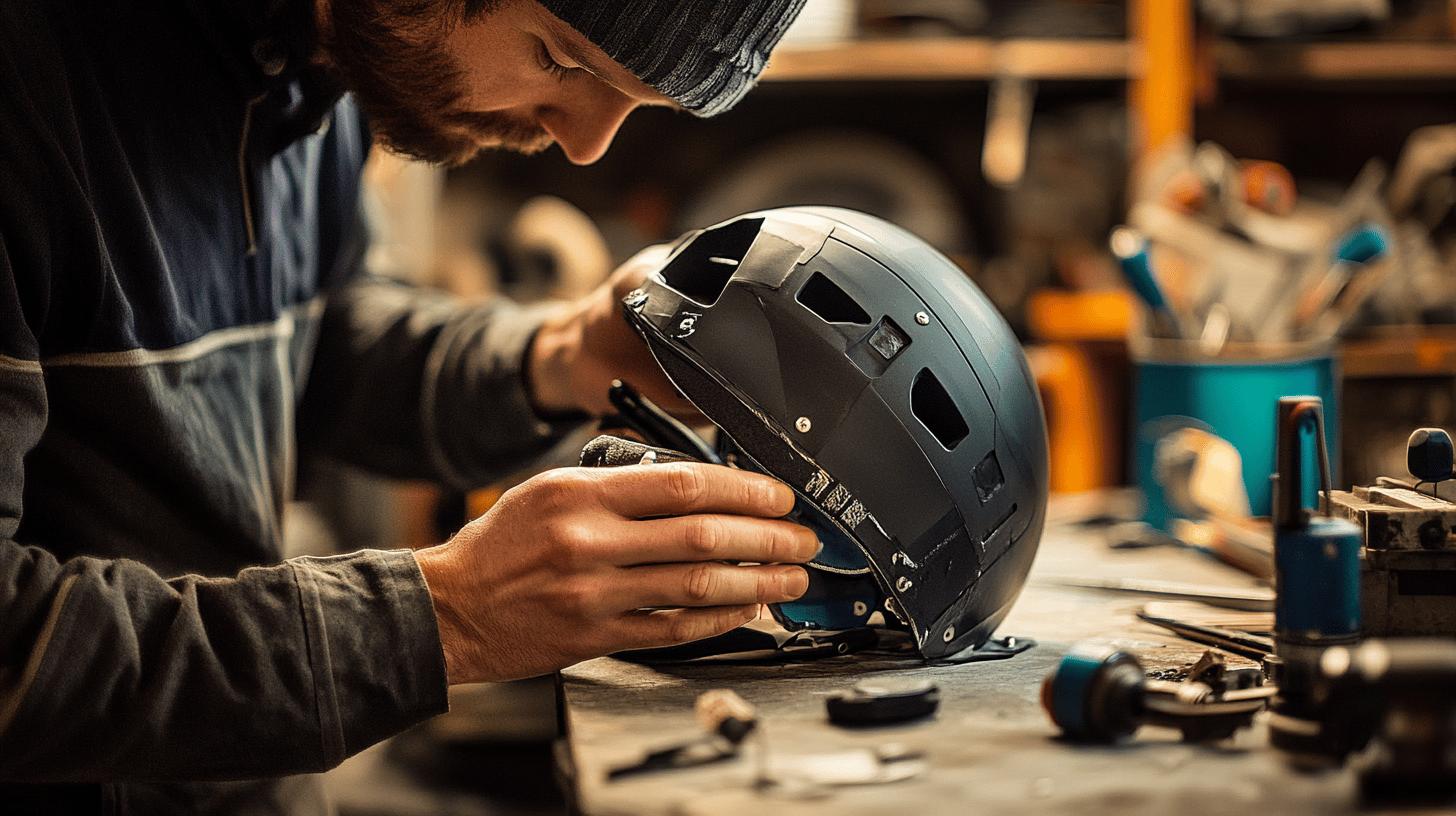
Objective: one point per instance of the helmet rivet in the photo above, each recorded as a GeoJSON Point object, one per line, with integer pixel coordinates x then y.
{"type": "Point", "coordinates": [860, 608]}
{"type": "Point", "coordinates": [903, 584]}
{"type": "Point", "coordinates": [948, 635]}
{"type": "Point", "coordinates": [922, 318]}
{"type": "Point", "coordinates": [803, 424]}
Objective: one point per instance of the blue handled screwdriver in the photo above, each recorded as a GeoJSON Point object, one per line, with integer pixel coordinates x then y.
{"type": "Point", "coordinates": [1131, 250]}
{"type": "Point", "coordinates": [1360, 248]}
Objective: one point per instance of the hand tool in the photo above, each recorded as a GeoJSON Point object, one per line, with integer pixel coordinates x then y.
{"type": "Point", "coordinates": [1362, 247]}
{"type": "Point", "coordinates": [1250, 600]}
{"type": "Point", "coordinates": [1363, 285]}
{"type": "Point", "coordinates": [1244, 644]}
{"type": "Point", "coordinates": [1252, 275]}
{"type": "Point", "coordinates": [727, 721]}
{"type": "Point", "coordinates": [1100, 694]}
{"type": "Point", "coordinates": [1132, 253]}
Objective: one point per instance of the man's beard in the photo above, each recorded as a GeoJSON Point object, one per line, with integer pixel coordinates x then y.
{"type": "Point", "coordinates": [410, 89]}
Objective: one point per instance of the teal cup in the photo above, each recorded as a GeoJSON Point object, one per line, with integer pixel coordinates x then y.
{"type": "Point", "coordinates": [1232, 395]}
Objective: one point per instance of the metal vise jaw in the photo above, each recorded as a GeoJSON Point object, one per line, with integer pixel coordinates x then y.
{"type": "Point", "coordinates": [1408, 561]}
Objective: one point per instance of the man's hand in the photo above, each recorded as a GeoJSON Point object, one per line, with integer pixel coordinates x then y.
{"type": "Point", "coordinates": [578, 353]}
{"type": "Point", "coordinates": [581, 562]}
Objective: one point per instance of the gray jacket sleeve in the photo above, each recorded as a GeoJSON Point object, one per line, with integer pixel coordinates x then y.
{"type": "Point", "coordinates": [413, 383]}
{"type": "Point", "coordinates": [108, 672]}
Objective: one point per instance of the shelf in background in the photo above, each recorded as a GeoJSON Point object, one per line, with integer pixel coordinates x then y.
{"type": "Point", "coordinates": [1337, 61]}
{"type": "Point", "coordinates": [951, 59]}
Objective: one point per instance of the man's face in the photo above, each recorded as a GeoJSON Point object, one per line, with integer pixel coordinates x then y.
{"type": "Point", "coordinates": [442, 88]}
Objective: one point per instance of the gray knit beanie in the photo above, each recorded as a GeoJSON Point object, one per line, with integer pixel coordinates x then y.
{"type": "Point", "coordinates": [704, 54]}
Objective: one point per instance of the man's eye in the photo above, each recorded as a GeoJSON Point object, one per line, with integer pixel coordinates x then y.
{"type": "Point", "coordinates": [550, 65]}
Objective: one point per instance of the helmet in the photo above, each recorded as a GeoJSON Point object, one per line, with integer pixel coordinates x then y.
{"type": "Point", "coordinates": [851, 360]}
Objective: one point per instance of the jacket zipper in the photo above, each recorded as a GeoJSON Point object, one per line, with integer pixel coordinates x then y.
{"type": "Point", "coordinates": [244, 182]}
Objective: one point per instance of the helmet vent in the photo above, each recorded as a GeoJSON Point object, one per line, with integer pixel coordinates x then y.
{"type": "Point", "coordinates": [932, 405]}
{"type": "Point", "coordinates": [702, 269]}
{"type": "Point", "coordinates": [824, 298]}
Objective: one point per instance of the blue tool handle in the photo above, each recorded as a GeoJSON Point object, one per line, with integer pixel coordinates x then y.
{"type": "Point", "coordinates": [1365, 243]}
{"type": "Point", "coordinates": [1132, 254]}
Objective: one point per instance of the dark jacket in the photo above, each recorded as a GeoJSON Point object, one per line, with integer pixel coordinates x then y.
{"type": "Point", "coordinates": [180, 299]}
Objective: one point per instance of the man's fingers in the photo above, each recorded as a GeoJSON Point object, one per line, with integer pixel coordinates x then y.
{"type": "Point", "coordinates": [669, 627]}
{"type": "Point", "coordinates": [714, 538]}
{"type": "Point", "coordinates": [707, 584]}
{"type": "Point", "coordinates": [684, 488]}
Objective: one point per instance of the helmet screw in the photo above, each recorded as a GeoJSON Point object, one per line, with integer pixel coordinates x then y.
{"type": "Point", "coordinates": [903, 584]}
{"type": "Point", "coordinates": [948, 635]}
{"type": "Point", "coordinates": [922, 318]}
{"type": "Point", "coordinates": [803, 424]}
{"type": "Point", "coordinates": [860, 608]}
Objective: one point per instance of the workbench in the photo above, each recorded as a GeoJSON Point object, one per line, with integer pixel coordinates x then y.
{"type": "Point", "coordinates": [990, 749]}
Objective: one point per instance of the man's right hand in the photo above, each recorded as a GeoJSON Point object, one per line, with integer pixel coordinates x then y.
{"type": "Point", "coordinates": [566, 566]}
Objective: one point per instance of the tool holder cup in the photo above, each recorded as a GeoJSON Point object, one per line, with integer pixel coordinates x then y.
{"type": "Point", "coordinates": [1227, 392]}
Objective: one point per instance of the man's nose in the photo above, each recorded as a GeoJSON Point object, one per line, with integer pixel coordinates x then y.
{"type": "Point", "coordinates": [586, 130]}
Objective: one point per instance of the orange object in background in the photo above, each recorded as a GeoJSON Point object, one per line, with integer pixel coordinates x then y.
{"type": "Point", "coordinates": [1268, 186]}
{"type": "Point", "coordinates": [1161, 101]}
{"type": "Point", "coordinates": [1081, 367]}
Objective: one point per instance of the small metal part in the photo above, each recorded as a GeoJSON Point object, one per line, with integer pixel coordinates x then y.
{"type": "Point", "coordinates": [894, 609]}
{"type": "Point", "coordinates": [903, 584]}
{"type": "Point", "coordinates": [883, 702]}
{"type": "Point", "coordinates": [887, 340]}
{"type": "Point", "coordinates": [948, 635]}
{"type": "Point", "coordinates": [861, 608]}
{"type": "Point", "coordinates": [803, 424]}
{"type": "Point", "coordinates": [922, 318]}
{"type": "Point", "coordinates": [1100, 694]}
{"type": "Point", "coordinates": [1002, 648]}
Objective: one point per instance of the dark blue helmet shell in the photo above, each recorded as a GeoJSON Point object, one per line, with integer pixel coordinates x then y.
{"type": "Point", "coordinates": [853, 361]}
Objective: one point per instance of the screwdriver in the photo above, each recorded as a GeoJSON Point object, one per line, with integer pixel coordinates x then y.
{"type": "Point", "coordinates": [1130, 248]}
{"type": "Point", "coordinates": [1367, 244]}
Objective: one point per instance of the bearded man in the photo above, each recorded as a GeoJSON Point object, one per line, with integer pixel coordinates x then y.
{"type": "Point", "coordinates": [181, 301]}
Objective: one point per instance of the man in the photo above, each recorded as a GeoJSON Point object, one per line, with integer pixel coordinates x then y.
{"type": "Point", "coordinates": [180, 298]}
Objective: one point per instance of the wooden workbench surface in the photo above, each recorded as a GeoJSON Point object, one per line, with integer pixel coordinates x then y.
{"type": "Point", "coordinates": [989, 750]}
